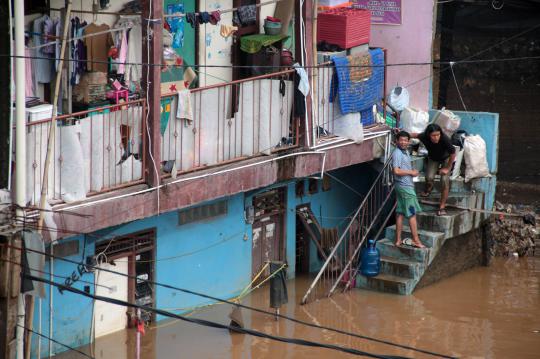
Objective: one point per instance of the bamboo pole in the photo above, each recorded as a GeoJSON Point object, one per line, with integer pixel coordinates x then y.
{"type": "Point", "coordinates": [44, 185]}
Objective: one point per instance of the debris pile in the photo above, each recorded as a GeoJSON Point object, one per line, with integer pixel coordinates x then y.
{"type": "Point", "coordinates": [516, 233]}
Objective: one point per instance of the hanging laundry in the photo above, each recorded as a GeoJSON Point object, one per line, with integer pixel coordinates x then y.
{"type": "Point", "coordinates": [191, 18]}
{"type": "Point", "coordinates": [204, 17]}
{"type": "Point", "coordinates": [215, 17]}
{"type": "Point", "coordinates": [183, 108]}
{"type": "Point", "coordinates": [176, 25]}
{"type": "Point", "coordinates": [134, 54]}
{"type": "Point", "coordinates": [227, 30]}
{"type": "Point", "coordinates": [247, 15]}
{"type": "Point", "coordinates": [303, 85]}
{"type": "Point", "coordinates": [98, 47]}
{"type": "Point", "coordinates": [41, 65]}
{"type": "Point", "coordinates": [122, 54]}
{"type": "Point", "coordinates": [29, 88]}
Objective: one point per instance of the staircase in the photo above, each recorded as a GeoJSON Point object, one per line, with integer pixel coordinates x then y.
{"type": "Point", "coordinates": [403, 267]}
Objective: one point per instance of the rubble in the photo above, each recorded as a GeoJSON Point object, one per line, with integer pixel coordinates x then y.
{"type": "Point", "coordinates": [511, 236]}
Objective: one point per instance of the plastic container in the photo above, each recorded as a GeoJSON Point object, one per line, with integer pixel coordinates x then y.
{"type": "Point", "coordinates": [272, 28]}
{"type": "Point", "coordinates": [344, 27]}
{"type": "Point", "coordinates": [370, 258]}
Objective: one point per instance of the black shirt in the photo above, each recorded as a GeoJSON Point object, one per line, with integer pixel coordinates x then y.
{"type": "Point", "coordinates": [438, 151]}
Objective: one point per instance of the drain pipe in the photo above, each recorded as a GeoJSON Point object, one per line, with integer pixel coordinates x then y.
{"type": "Point", "coordinates": [20, 135]}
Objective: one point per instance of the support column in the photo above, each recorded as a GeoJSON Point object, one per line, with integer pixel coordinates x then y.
{"type": "Point", "coordinates": [152, 30]}
{"type": "Point", "coordinates": [10, 287]}
{"type": "Point", "coordinates": [304, 56]}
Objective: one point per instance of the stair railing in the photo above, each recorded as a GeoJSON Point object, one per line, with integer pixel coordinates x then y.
{"type": "Point", "coordinates": [349, 243]}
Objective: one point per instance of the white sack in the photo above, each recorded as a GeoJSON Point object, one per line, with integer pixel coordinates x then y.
{"type": "Point", "coordinates": [457, 163]}
{"type": "Point", "coordinates": [413, 120]}
{"type": "Point", "coordinates": [401, 101]}
{"type": "Point", "coordinates": [475, 158]}
{"type": "Point", "coordinates": [448, 121]}
{"type": "Point", "coordinates": [349, 126]}
{"type": "Point", "coordinates": [72, 165]}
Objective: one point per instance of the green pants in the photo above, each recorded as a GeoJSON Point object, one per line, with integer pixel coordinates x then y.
{"type": "Point", "coordinates": [407, 203]}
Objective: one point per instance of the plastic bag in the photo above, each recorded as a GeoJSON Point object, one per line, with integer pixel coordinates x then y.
{"type": "Point", "coordinates": [448, 121]}
{"type": "Point", "coordinates": [413, 120]}
{"type": "Point", "coordinates": [399, 98]}
{"type": "Point", "coordinates": [349, 126]}
{"type": "Point", "coordinates": [475, 158]}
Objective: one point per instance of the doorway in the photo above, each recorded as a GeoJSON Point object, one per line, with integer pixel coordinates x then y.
{"type": "Point", "coordinates": [131, 255]}
{"type": "Point", "coordinates": [268, 230]}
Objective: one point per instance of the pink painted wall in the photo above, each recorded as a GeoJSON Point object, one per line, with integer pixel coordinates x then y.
{"type": "Point", "coordinates": [410, 42]}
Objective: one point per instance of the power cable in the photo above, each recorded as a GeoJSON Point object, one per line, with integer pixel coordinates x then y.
{"type": "Point", "coordinates": [240, 305]}
{"type": "Point", "coordinates": [211, 324]}
{"type": "Point", "coordinates": [56, 341]}
{"type": "Point", "coordinates": [464, 61]}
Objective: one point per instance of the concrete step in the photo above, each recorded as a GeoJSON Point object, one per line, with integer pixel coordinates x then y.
{"type": "Point", "coordinates": [456, 222]}
{"type": "Point", "coordinates": [457, 185]}
{"type": "Point", "coordinates": [461, 199]}
{"type": "Point", "coordinates": [386, 283]}
{"type": "Point", "coordinates": [428, 238]}
{"type": "Point", "coordinates": [401, 267]}
{"type": "Point", "coordinates": [387, 248]}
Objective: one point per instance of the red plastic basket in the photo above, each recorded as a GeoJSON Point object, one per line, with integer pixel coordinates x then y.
{"type": "Point", "coordinates": [344, 27]}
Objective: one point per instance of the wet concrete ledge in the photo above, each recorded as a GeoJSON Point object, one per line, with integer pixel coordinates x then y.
{"type": "Point", "coordinates": [457, 255]}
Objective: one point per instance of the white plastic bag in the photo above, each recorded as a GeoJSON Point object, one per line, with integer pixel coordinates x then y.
{"type": "Point", "coordinates": [349, 126]}
{"type": "Point", "coordinates": [475, 158]}
{"type": "Point", "coordinates": [399, 98]}
{"type": "Point", "coordinates": [413, 120]}
{"type": "Point", "coordinates": [457, 163]}
{"type": "Point", "coordinates": [448, 121]}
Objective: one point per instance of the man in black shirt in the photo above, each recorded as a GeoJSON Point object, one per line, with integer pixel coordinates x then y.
{"type": "Point", "coordinates": [441, 157]}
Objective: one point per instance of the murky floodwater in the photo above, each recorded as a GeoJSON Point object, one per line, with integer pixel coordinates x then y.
{"type": "Point", "coordinates": [483, 313]}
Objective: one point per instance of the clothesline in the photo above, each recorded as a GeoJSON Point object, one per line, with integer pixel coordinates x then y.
{"type": "Point", "coordinates": [122, 28]}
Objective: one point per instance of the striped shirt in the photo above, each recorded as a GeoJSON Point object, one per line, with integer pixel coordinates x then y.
{"type": "Point", "coordinates": [402, 160]}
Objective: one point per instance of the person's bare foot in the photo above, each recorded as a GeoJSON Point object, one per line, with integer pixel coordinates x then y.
{"type": "Point", "coordinates": [398, 243]}
{"type": "Point", "coordinates": [418, 245]}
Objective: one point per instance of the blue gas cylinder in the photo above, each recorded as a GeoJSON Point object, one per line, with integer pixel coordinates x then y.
{"type": "Point", "coordinates": [370, 258]}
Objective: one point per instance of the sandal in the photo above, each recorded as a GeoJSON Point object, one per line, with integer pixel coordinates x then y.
{"type": "Point", "coordinates": [409, 242]}
{"type": "Point", "coordinates": [427, 191]}
{"type": "Point", "coordinates": [442, 212]}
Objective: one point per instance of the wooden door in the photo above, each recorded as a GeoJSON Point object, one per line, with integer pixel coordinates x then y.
{"type": "Point", "coordinates": [268, 232]}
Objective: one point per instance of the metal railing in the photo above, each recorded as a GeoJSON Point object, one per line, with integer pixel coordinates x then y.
{"type": "Point", "coordinates": [96, 150]}
{"type": "Point", "coordinates": [231, 121]}
{"type": "Point", "coordinates": [339, 269]}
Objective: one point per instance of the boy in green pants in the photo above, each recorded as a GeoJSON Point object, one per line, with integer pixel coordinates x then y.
{"type": "Point", "coordinates": [407, 203]}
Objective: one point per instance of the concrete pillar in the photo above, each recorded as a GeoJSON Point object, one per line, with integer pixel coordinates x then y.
{"type": "Point", "coordinates": [152, 30]}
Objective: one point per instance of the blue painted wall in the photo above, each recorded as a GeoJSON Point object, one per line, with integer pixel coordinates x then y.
{"type": "Point", "coordinates": [211, 257]}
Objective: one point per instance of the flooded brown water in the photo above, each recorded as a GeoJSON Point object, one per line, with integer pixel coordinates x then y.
{"type": "Point", "coordinates": [489, 312]}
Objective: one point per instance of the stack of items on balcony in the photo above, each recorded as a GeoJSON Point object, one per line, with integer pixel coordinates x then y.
{"type": "Point", "coordinates": [357, 83]}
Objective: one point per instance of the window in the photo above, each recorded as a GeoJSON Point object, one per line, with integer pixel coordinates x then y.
{"type": "Point", "coordinates": [313, 186]}
{"type": "Point", "coordinates": [299, 188]}
{"type": "Point", "coordinates": [202, 213]}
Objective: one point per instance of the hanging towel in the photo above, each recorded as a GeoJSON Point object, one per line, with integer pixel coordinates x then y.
{"type": "Point", "coordinates": [357, 96]}
{"type": "Point", "coordinates": [183, 108]}
{"type": "Point", "coordinates": [303, 85]}
{"type": "Point", "coordinates": [227, 30]}
{"type": "Point", "coordinates": [35, 261]}
{"type": "Point", "coordinates": [247, 15]}
{"type": "Point", "coordinates": [254, 43]}
{"type": "Point", "coordinates": [191, 18]}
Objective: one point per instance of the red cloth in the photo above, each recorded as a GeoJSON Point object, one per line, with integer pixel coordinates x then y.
{"type": "Point", "coordinates": [273, 19]}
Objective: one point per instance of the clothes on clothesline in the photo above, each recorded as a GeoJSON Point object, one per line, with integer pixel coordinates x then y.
{"type": "Point", "coordinates": [42, 67]}
{"type": "Point", "coordinates": [203, 17]}
{"type": "Point", "coordinates": [97, 47]}
{"type": "Point", "coordinates": [77, 51]}
{"type": "Point", "coordinates": [227, 30]}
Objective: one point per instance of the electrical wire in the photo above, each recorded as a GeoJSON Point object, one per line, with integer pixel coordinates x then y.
{"type": "Point", "coordinates": [211, 324]}
{"type": "Point", "coordinates": [187, 291]}
{"type": "Point", "coordinates": [457, 87]}
{"type": "Point", "coordinates": [56, 341]}
{"type": "Point", "coordinates": [464, 61]}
